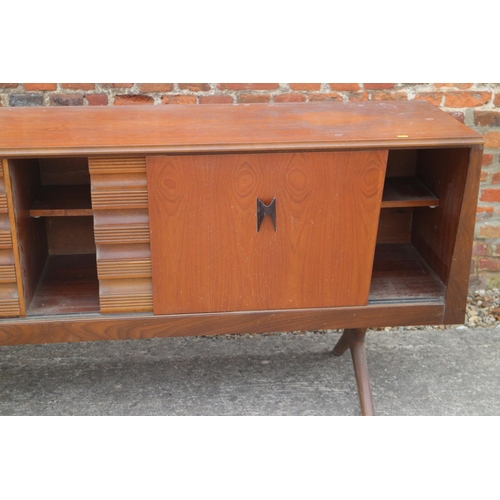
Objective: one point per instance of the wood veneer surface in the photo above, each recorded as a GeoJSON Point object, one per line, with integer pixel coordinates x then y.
{"type": "Point", "coordinates": [68, 285]}
{"type": "Point", "coordinates": [218, 127]}
{"type": "Point", "coordinates": [400, 274]}
{"type": "Point", "coordinates": [208, 256]}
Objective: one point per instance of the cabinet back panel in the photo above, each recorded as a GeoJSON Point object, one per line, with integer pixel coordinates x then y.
{"type": "Point", "coordinates": [70, 235]}
{"type": "Point", "coordinates": [207, 255]}
{"type": "Point", "coordinates": [401, 163]}
{"type": "Point", "coordinates": [394, 225]}
{"type": "Point", "coordinates": [64, 171]}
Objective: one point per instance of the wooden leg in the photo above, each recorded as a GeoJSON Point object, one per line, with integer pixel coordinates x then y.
{"type": "Point", "coordinates": [343, 344]}
{"type": "Point", "coordinates": [354, 339]}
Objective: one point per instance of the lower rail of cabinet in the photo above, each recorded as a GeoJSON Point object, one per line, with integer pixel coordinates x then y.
{"type": "Point", "coordinates": [90, 327]}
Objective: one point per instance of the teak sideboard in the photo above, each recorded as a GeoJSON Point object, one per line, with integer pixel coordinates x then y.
{"type": "Point", "coordinates": [158, 221]}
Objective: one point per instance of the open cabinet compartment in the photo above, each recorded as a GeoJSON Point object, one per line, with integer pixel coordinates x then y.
{"type": "Point", "coordinates": [418, 224]}
{"type": "Point", "coordinates": [57, 252]}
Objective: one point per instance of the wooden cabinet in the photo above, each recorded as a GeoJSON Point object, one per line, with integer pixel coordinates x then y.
{"type": "Point", "coordinates": [182, 220]}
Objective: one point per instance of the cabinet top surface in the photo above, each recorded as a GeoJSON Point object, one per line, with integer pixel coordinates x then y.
{"type": "Point", "coordinates": [46, 131]}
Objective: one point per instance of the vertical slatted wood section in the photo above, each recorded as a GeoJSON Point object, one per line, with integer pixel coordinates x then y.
{"type": "Point", "coordinates": [121, 228]}
{"type": "Point", "coordinates": [9, 295]}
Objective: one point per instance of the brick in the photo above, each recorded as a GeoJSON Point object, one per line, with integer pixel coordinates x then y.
{"type": "Point", "coordinates": [178, 99]}
{"type": "Point", "coordinates": [466, 99]}
{"type": "Point", "coordinates": [307, 87]}
{"type": "Point", "coordinates": [492, 140]}
{"type": "Point", "coordinates": [479, 248]}
{"type": "Point", "coordinates": [344, 87]}
{"type": "Point", "coordinates": [290, 98]}
{"type": "Point", "coordinates": [194, 87]}
{"type": "Point", "coordinates": [66, 100]}
{"type": "Point", "coordinates": [248, 86]}
{"type": "Point", "coordinates": [487, 159]}
{"type": "Point", "coordinates": [389, 96]}
{"type": "Point", "coordinates": [487, 264]}
{"type": "Point", "coordinates": [495, 250]}
{"type": "Point", "coordinates": [491, 195]}
{"type": "Point", "coordinates": [496, 101]}
{"type": "Point", "coordinates": [435, 98]}
{"type": "Point", "coordinates": [117, 85]}
{"type": "Point", "coordinates": [462, 86]}
{"type": "Point", "coordinates": [253, 98]}
{"type": "Point", "coordinates": [39, 86]}
{"type": "Point", "coordinates": [26, 100]}
{"type": "Point", "coordinates": [484, 176]}
{"type": "Point", "coordinates": [325, 97]}
{"type": "Point", "coordinates": [489, 232]}
{"type": "Point", "coordinates": [496, 178]}
{"type": "Point", "coordinates": [132, 99]}
{"type": "Point", "coordinates": [378, 86]}
{"type": "Point", "coordinates": [215, 99]}
{"type": "Point", "coordinates": [78, 86]}
{"type": "Point", "coordinates": [358, 96]}
{"type": "Point", "coordinates": [157, 87]}
{"type": "Point", "coordinates": [97, 99]}
{"type": "Point", "coordinates": [458, 115]}
{"type": "Point", "coordinates": [484, 213]}
{"type": "Point", "coordinates": [9, 85]}
{"type": "Point", "coordinates": [487, 118]}
{"type": "Point", "coordinates": [472, 269]}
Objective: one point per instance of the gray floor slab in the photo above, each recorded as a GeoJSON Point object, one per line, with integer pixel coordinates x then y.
{"type": "Point", "coordinates": [424, 372]}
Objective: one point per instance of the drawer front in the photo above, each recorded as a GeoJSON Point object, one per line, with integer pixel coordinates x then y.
{"type": "Point", "coordinates": [206, 252]}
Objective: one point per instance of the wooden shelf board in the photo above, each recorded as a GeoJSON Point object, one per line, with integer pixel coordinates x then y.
{"type": "Point", "coordinates": [68, 285]}
{"type": "Point", "coordinates": [62, 201]}
{"type": "Point", "coordinates": [400, 273]}
{"type": "Point", "coordinates": [402, 192]}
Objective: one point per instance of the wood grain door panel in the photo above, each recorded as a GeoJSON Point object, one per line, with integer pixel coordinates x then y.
{"type": "Point", "coordinates": [207, 255]}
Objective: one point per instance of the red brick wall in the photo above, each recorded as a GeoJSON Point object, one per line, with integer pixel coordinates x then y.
{"type": "Point", "coordinates": [477, 105]}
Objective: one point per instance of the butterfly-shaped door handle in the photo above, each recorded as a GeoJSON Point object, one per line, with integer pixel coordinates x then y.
{"type": "Point", "coordinates": [264, 210]}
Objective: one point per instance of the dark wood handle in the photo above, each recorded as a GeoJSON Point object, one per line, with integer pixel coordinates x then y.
{"type": "Point", "coordinates": [263, 210]}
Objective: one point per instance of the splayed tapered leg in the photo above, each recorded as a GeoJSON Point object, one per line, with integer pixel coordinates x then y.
{"type": "Point", "coordinates": [354, 339]}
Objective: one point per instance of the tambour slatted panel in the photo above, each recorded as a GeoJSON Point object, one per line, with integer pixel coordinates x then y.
{"type": "Point", "coordinates": [3, 197]}
{"type": "Point", "coordinates": [5, 238]}
{"type": "Point", "coordinates": [118, 166]}
{"type": "Point", "coordinates": [121, 229]}
{"type": "Point", "coordinates": [7, 274]}
{"type": "Point", "coordinates": [130, 294]}
{"type": "Point", "coordinates": [9, 295]}
{"type": "Point", "coordinates": [9, 307]}
{"type": "Point", "coordinates": [120, 197]}
{"type": "Point", "coordinates": [120, 233]}
{"type": "Point", "coordinates": [119, 268]}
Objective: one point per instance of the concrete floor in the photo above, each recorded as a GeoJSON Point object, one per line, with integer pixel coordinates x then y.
{"type": "Point", "coordinates": [423, 372]}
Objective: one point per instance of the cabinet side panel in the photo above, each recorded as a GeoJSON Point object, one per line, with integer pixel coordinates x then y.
{"type": "Point", "coordinates": [434, 232]}
{"type": "Point", "coordinates": [23, 178]}
{"type": "Point", "coordinates": [208, 256]}
{"type": "Point", "coordinates": [456, 293]}
{"type": "Point", "coordinates": [9, 284]}
{"type": "Point", "coordinates": [121, 228]}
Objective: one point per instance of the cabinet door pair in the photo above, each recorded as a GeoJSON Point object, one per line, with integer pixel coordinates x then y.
{"type": "Point", "coordinates": [260, 231]}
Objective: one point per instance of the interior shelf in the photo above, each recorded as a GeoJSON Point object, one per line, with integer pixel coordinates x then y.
{"type": "Point", "coordinates": [68, 285]}
{"type": "Point", "coordinates": [62, 201]}
{"type": "Point", "coordinates": [402, 192]}
{"type": "Point", "coordinates": [401, 274]}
